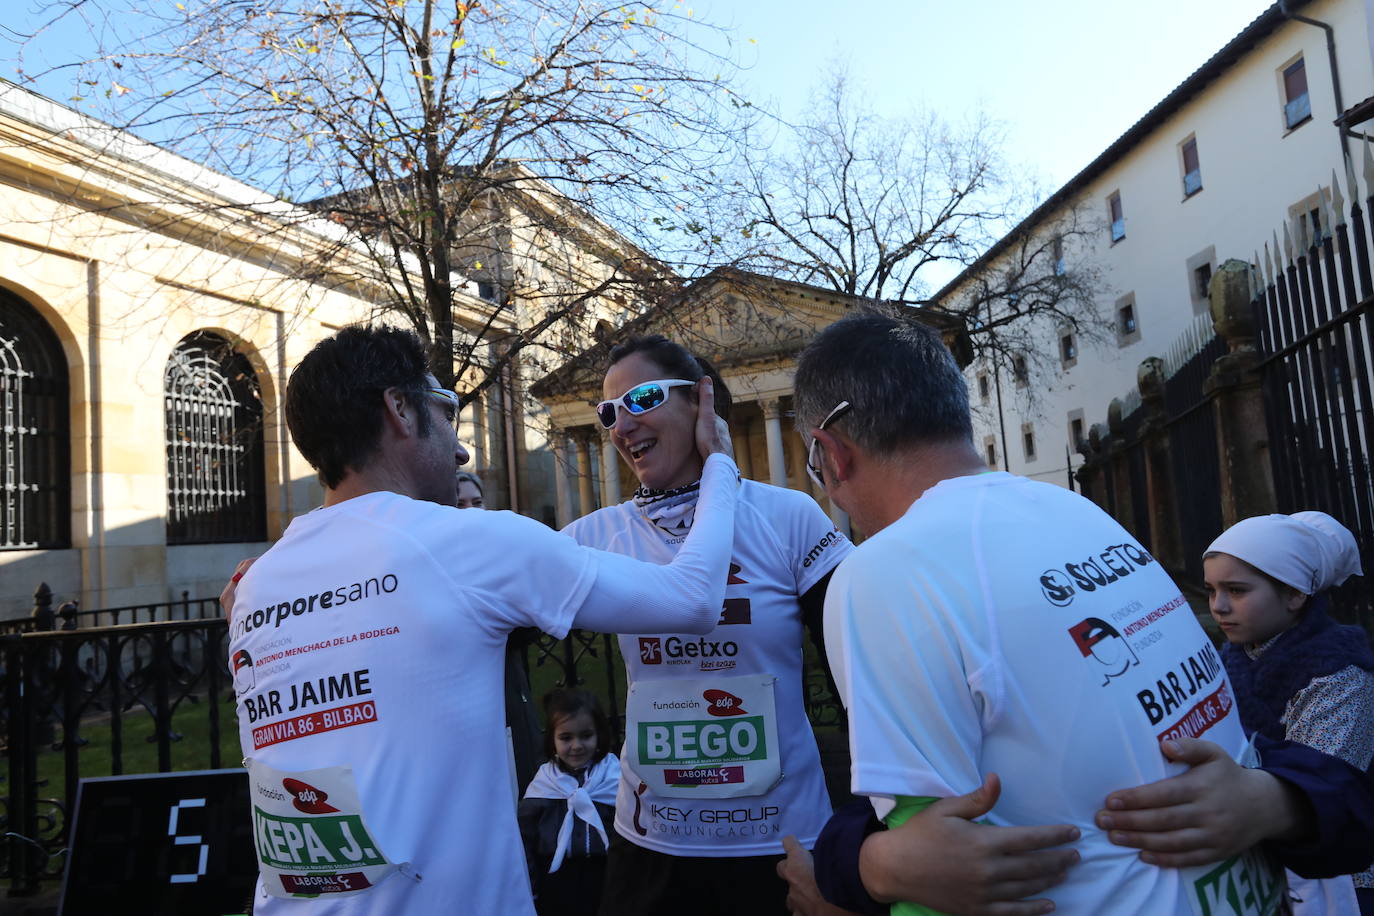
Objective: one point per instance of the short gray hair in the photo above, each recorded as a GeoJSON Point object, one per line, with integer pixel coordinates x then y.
{"type": "Point", "coordinates": [902, 383]}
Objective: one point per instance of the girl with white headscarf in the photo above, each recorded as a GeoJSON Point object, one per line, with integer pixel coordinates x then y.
{"type": "Point", "coordinates": [1297, 674]}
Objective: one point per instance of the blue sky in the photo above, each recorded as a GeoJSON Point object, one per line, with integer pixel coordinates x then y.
{"type": "Point", "coordinates": [1066, 77]}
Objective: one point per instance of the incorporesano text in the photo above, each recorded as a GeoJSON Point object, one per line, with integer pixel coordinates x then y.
{"type": "Point", "coordinates": [281, 611]}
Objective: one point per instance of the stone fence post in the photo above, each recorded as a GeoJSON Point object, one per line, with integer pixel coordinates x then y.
{"type": "Point", "coordinates": [1247, 483]}
{"type": "Point", "coordinates": [1165, 542]}
{"type": "Point", "coordinates": [1119, 460]}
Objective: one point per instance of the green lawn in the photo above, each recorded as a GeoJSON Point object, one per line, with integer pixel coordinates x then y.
{"type": "Point", "coordinates": [192, 752]}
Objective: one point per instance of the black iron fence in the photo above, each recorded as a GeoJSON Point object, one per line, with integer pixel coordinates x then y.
{"type": "Point", "coordinates": [84, 700]}
{"type": "Point", "coordinates": [69, 616]}
{"type": "Point", "coordinates": [1176, 406]}
{"type": "Point", "coordinates": [100, 701]}
{"type": "Point", "coordinates": [1191, 423]}
{"type": "Point", "coordinates": [1272, 410]}
{"type": "Point", "coordinates": [1312, 314]}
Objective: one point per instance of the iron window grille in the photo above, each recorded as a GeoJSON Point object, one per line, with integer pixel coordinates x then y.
{"type": "Point", "coordinates": [35, 435]}
{"type": "Point", "coordinates": [216, 491]}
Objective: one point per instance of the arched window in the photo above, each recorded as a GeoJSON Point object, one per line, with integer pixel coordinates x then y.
{"type": "Point", "coordinates": [215, 480]}
{"type": "Point", "coordinates": [35, 463]}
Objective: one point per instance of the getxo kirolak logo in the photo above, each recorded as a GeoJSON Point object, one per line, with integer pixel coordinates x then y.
{"type": "Point", "coordinates": [650, 650]}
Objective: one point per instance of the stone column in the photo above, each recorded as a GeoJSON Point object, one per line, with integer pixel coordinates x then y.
{"type": "Point", "coordinates": [1247, 483]}
{"type": "Point", "coordinates": [1091, 473]}
{"type": "Point", "coordinates": [476, 447]}
{"type": "Point", "coordinates": [1120, 461]}
{"type": "Point", "coordinates": [584, 472]}
{"type": "Point", "coordinates": [598, 466]}
{"type": "Point", "coordinates": [796, 450]}
{"type": "Point", "coordinates": [562, 492]}
{"type": "Point", "coordinates": [772, 429]}
{"type": "Point", "coordinates": [610, 473]}
{"type": "Point", "coordinates": [1165, 542]}
{"type": "Point", "coordinates": [743, 456]}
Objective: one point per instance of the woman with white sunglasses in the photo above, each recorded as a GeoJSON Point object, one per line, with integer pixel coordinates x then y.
{"type": "Point", "coordinates": [720, 762]}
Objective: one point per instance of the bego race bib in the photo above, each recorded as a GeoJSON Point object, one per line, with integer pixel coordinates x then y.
{"type": "Point", "coordinates": [707, 737]}
{"type": "Point", "coordinates": [309, 833]}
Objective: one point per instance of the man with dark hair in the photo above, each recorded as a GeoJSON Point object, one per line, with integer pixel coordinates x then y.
{"type": "Point", "coordinates": [992, 624]}
{"type": "Point", "coordinates": [371, 720]}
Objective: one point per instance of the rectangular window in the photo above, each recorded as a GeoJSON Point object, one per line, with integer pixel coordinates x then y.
{"type": "Point", "coordinates": [1311, 229]}
{"type": "Point", "coordinates": [1076, 435]}
{"type": "Point", "coordinates": [1059, 257]}
{"type": "Point", "coordinates": [984, 387]}
{"type": "Point", "coordinates": [1114, 214]}
{"type": "Point", "coordinates": [1020, 371]}
{"type": "Point", "coordinates": [990, 451]}
{"type": "Point", "coordinates": [1199, 278]}
{"type": "Point", "coordinates": [1068, 349]}
{"type": "Point", "coordinates": [1127, 321]}
{"type": "Point", "coordinates": [1192, 172]}
{"type": "Point", "coordinates": [1297, 105]}
{"type": "Point", "coordinates": [1202, 281]}
{"type": "Point", "coordinates": [1028, 441]}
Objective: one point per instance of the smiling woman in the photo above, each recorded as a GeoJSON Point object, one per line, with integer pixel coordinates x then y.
{"type": "Point", "coordinates": [719, 762]}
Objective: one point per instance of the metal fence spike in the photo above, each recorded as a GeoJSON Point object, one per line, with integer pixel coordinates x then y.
{"type": "Point", "coordinates": [1368, 164]}
{"type": "Point", "coordinates": [1337, 202]}
{"type": "Point", "coordinates": [1351, 185]}
{"type": "Point", "coordinates": [1324, 207]}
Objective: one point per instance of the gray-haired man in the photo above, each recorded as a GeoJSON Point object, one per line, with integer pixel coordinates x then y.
{"type": "Point", "coordinates": [995, 624]}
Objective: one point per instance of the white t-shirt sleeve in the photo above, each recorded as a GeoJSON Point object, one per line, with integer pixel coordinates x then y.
{"type": "Point", "coordinates": [816, 545]}
{"type": "Point", "coordinates": [630, 596]}
{"type": "Point", "coordinates": [528, 575]}
{"type": "Point", "coordinates": [914, 718]}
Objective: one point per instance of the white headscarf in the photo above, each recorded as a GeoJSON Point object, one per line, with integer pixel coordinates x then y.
{"type": "Point", "coordinates": [1310, 551]}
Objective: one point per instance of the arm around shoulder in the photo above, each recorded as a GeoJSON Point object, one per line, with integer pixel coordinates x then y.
{"type": "Point", "coordinates": [630, 596]}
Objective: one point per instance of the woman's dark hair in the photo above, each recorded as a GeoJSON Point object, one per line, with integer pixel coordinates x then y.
{"type": "Point", "coordinates": [676, 361]}
{"type": "Point", "coordinates": [562, 703]}
{"type": "Point", "coordinates": [472, 479]}
{"type": "Point", "coordinates": [334, 397]}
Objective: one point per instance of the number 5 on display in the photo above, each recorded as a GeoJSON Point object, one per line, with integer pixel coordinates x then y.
{"type": "Point", "coordinates": [187, 878]}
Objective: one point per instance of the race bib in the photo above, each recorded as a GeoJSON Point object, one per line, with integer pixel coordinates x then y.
{"type": "Point", "coordinates": [309, 832]}
{"type": "Point", "coordinates": [708, 737]}
{"type": "Point", "coordinates": [1250, 884]}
